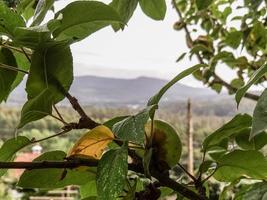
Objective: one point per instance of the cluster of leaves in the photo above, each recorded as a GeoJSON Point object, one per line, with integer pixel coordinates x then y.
{"type": "Point", "coordinates": [127, 150]}
{"type": "Point", "coordinates": [231, 34]}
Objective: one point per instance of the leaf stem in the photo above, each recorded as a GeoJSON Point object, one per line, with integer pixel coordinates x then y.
{"type": "Point", "coordinates": [59, 115]}
{"type": "Point", "coordinates": [52, 136]}
{"type": "Point", "coordinates": [26, 55]}
{"type": "Point", "coordinates": [207, 178]}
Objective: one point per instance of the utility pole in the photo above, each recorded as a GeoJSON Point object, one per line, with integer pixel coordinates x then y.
{"type": "Point", "coordinates": [190, 147]}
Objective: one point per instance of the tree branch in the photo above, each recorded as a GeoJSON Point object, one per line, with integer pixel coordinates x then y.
{"type": "Point", "coordinates": [231, 88]}
{"type": "Point", "coordinates": [217, 77]}
{"type": "Point", "coordinates": [74, 163]}
{"type": "Point", "coordinates": [68, 164]}
{"type": "Point", "coordinates": [168, 182]}
{"type": "Point", "coordinates": [85, 121]}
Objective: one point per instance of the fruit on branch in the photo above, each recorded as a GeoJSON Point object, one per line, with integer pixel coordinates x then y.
{"type": "Point", "coordinates": [166, 144]}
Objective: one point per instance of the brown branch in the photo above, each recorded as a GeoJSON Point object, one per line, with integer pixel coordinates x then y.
{"type": "Point", "coordinates": [85, 121]}
{"type": "Point", "coordinates": [183, 190]}
{"type": "Point", "coordinates": [68, 164]}
{"type": "Point", "coordinates": [217, 77]}
{"type": "Point", "coordinates": [74, 163]}
{"type": "Point", "coordinates": [233, 89]}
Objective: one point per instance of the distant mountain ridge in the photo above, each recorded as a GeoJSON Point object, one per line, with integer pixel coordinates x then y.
{"type": "Point", "coordinates": [93, 90]}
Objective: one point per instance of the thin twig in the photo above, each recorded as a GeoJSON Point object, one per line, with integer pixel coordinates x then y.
{"type": "Point", "coordinates": [207, 178]}
{"type": "Point", "coordinates": [55, 117]}
{"type": "Point", "coordinates": [190, 175]}
{"type": "Point", "coordinates": [59, 115]}
{"type": "Point", "coordinates": [52, 136]}
{"type": "Point", "coordinates": [5, 66]}
{"type": "Point", "coordinates": [11, 48]}
{"type": "Point", "coordinates": [203, 160]}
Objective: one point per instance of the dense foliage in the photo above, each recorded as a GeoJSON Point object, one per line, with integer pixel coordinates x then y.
{"type": "Point", "coordinates": [112, 159]}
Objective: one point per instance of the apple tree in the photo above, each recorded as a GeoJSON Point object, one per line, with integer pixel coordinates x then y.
{"type": "Point", "coordinates": [132, 157]}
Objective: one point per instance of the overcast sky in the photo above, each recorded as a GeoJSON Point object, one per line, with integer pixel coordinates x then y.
{"type": "Point", "coordinates": [145, 48]}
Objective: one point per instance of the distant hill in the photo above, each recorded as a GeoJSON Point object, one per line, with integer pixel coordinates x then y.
{"type": "Point", "coordinates": [101, 90]}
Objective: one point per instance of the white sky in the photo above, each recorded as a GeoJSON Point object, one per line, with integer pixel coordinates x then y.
{"type": "Point", "coordinates": [145, 48]}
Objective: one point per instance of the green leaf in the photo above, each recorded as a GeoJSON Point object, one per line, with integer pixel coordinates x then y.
{"type": "Point", "coordinates": [41, 9]}
{"type": "Point", "coordinates": [165, 192]}
{"type": "Point", "coordinates": [92, 16]}
{"type": "Point", "coordinates": [200, 48]}
{"type": "Point", "coordinates": [132, 128]}
{"type": "Point", "coordinates": [226, 57]}
{"type": "Point", "coordinates": [258, 34]}
{"type": "Point", "coordinates": [259, 120]}
{"type": "Point", "coordinates": [226, 13]}
{"type": "Point", "coordinates": [131, 189]}
{"type": "Point", "coordinates": [7, 76]}
{"type": "Point", "coordinates": [256, 143]}
{"type": "Point", "coordinates": [181, 57]}
{"type": "Point", "coordinates": [25, 8]}
{"type": "Point", "coordinates": [156, 9]}
{"type": "Point", "coordinates": [91, 198]}
{"type": "Point", "coordinates": [238, 164]}
{"type": "Point", "coordinates": [114, 120]}
{"type": "Point", "coordinates": [156, 98]}
{"type": "Point", "coordinates": [9, 20]}
{"type": "Point", "coordinates": [10, 148]}
{"type": "Point", "coordinates": [257, 191]}
{"type": "Point", "coordinates": [125, 8]}
{"type": "Point", "coordinates": [88, 190]}
{"type": "Point", "coordinates": [50, 68]}
{"type": "Point", "coordinates": [36, 108]}
{"type": "Point", "coordinates": [237, 83]}
{"type": "Point", "coordinates": [233, 39]}
{"type": "Point", "coordinates": [203, 4]}
{"type": "Point", "coordinates": [205, 166]}
{"type": "Point", "coordinates": [217, 87]}
{"type": "Point", "coordinates": [23, 64]}
{"type": "Point", "coordinates": [33, 37]}
{"type": "Point", "coordinates": [254, 78]}
{"type": "Point", "coordinates": [233, 127]}
{"type": "Point", "coordinates": [53, 178]}
{"type": "Point", "coordinates": [111, 173]}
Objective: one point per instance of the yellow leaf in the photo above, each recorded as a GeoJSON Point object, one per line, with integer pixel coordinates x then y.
{"type": "Point", "coordinates": [93, 143]}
